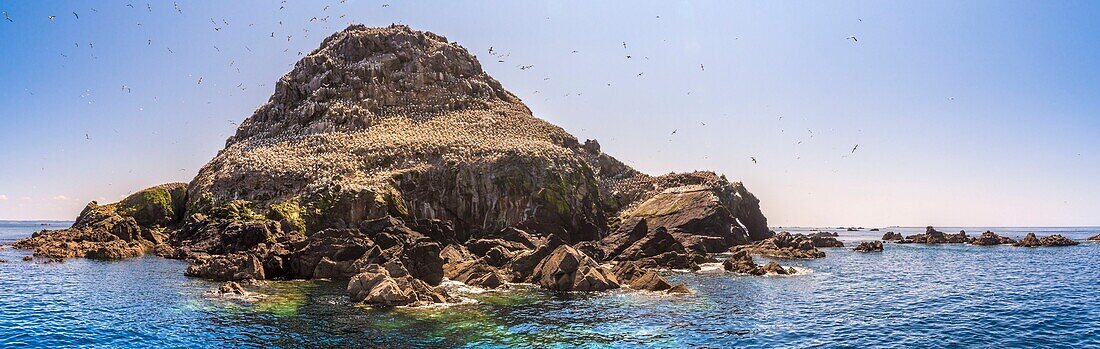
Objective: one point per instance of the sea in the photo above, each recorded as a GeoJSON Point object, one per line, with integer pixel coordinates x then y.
{"type": "Point", "coordinates": [908, 296]}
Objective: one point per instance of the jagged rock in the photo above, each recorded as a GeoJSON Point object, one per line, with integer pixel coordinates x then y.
{"type": "Point", "coordinates": [783, 245]}
{"type": "Point", "coordinates": [656, 247]}
{"type": "Point", "coordinates": [228, 268]}
{"type": "Point", "coordinates": [1054, 240]}
{"type": "Point", "coordinates": [27, 258]}
{"type": "Point", "coordinates": [892, 236]}
{"type": "Point", "coordinates": [374, 285]}
{"type": "Point", "coordinates": [869, 246]}
{"type": "Point", "coordinates": [775, 268]}
{"type": "Point", "coordinates": [478, 273]}
{"type": "Point", "coordinates": [990, 238]}
{"type": "Point", "coordinates": [567, 269]}
{"type": "Point", "coordinates": [741, 262]}
{"type": "Point", "coordinates": [629, 273]}
{"type": "Point", "coordinates": [823, 239]}
{"type": "Point", "coordinates": [230, 287]}
{"type": "Point", "coordinates": [957, 238]}
{"type": "Point", "coordinates": [1095, 238]}
{"type": "Point", "coordinates": [680, 289]}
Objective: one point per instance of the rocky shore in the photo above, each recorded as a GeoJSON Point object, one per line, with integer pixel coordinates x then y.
{"type": "Point", "coordinates": [388, 158]}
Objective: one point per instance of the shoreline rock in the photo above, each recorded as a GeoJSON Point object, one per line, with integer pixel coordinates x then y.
{"type": "Point", "coordinates": [869, 246]}
{"type": "Point", "coordinates": [990, 238]}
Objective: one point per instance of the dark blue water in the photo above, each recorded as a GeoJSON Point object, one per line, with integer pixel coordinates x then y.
{"type": "Point", "coordinates": [939, 296]}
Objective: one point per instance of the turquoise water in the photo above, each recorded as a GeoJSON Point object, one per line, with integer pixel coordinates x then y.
{"type": "Point", "coordinates": [909, 296]}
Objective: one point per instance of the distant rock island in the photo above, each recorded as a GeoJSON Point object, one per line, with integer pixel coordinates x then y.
{"type": "Point", "coordinates": [388, 158]}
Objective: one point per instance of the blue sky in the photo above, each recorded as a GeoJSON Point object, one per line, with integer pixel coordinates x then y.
{"type": "Point", "coordinates": [965, 113]}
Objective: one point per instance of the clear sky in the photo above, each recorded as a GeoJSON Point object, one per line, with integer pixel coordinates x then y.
{"type": "Point", "coordinates": [965, 113]}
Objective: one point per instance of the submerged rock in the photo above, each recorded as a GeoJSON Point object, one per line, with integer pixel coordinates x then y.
{"type": "Point", "coordinates": [869, 246]}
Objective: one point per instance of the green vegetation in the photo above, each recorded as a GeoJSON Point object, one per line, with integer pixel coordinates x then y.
{"type": "Point", "coordinates": [291, 211]}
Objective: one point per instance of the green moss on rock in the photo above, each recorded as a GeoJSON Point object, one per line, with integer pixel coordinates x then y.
{"type": "Point", "coordinates": [161, 205]}
{"type": "Point", "coordinates": [291, 211]}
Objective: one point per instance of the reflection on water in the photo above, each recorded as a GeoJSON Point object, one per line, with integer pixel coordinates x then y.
{"type": "Point", "coordinates": [906, 296]}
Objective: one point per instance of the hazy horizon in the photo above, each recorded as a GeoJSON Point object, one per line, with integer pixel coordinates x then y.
{"type": "Point", "coordinates": [965, 114]}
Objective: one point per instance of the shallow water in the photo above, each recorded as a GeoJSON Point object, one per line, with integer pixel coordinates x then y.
{"type": "Point", "coordinates": [907, 296]}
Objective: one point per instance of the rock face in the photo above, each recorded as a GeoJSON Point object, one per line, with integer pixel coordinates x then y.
{"type": "Point", "coordinates": [389, 158]}
{"type": "Point", "coordinates": [869, 246]}
{"type": "Point", "coordinates": [990, 238]}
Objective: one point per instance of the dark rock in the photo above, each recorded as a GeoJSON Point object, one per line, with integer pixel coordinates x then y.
{"type": "Point", "coordinates": [740, 262]}
{"type": "Point", "coordinates": [892, 236]}
{"type": "Point", "coordinates": [657, 247]}
{"type": "Point", "coordinates": [990, 238]}
{"type": "Point", "coordinates": [629, 273]}
{"type": "Point", "coordinates": [874, 229]}
{"type": "Point", "coordinates": [869, 246]}
{"type": "Point", "coordinates": [231, 287]}
{"type": "Point", "coordinates": [1054, 240]}
{"type": "Point", "coordinates": [775, 268]}
{"type": "Point", "coordinates": [1095, 238]}
{"type": "Point", "coordinates": [228, 268]}
{"type": "Point", "coordinates": [27, 258]}
{"type": "Point", "coordinates": [783, 245]}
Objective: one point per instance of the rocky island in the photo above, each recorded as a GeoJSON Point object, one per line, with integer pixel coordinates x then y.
{"type": "Point", "coordinates": [388, 158]}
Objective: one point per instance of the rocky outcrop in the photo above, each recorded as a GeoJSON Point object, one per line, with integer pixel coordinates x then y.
{"type": "Point", "coordinates": [990, 238]}
{"type": "Point", "coordinates": [567, 269]}
{"type": "Point", "coordinates": [741, 262]}
{"type": "Point", "coordinates": [388, 157]}
{"type": "Point", "coordinates": [933, 236]}
{"type": "Point", "coordinates": [375, 285]}
{"type": "Point", "coordinates": [129, 228]}
{"type": "Point", "coordinates": [892, 236]}
{"type": "Point", "coordinates": [1047, 241]}
{"type": "Point", "coordinates": [1094, 238]}
{"type": "Point", "coordinates": [783, 245]}
{"type": "Point", "coordinates": [869, 246]}
{"type": "Point", "coordinates": [638, 278]}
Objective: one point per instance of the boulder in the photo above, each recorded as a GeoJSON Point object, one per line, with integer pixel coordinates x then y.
{"type": "Point", "coordinates": [230, 287]}
{"type": "Point", "coordinates": [775, 268]}
{"type": "Point", "coordinates": [869, 246]}
{"type": "Point", "coordinates": [680, 289]}
{"type": "Point", "coordinates": [630, 274]}
{"type": "Point", "coordinates": [374, 285]}
{"type": "Point", "coordinates": [656, 247]}
{"type": "Point", "coordinates": [567, 269]}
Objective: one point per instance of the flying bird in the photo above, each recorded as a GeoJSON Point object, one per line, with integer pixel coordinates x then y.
{"type": "Point", "coordinates": [753, 159]}
{"type": "Point", "coordinates": [854, 148]}
{"type": "Point", "coordinates": [701, 67]}
{"type": "Point", "coordinates": [77, 16]}
{"type": "Point", "coordinates": [51, 18]}
{"type": "Point", "coordinates": [853, 38]}
{"type": "Point", "coordinates": [7, 17]}
{"type": "Point", "coordinates": [674, 131]}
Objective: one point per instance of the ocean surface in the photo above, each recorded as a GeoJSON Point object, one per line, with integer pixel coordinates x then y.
{"type": "Point", "coordinates": [909, 296]}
